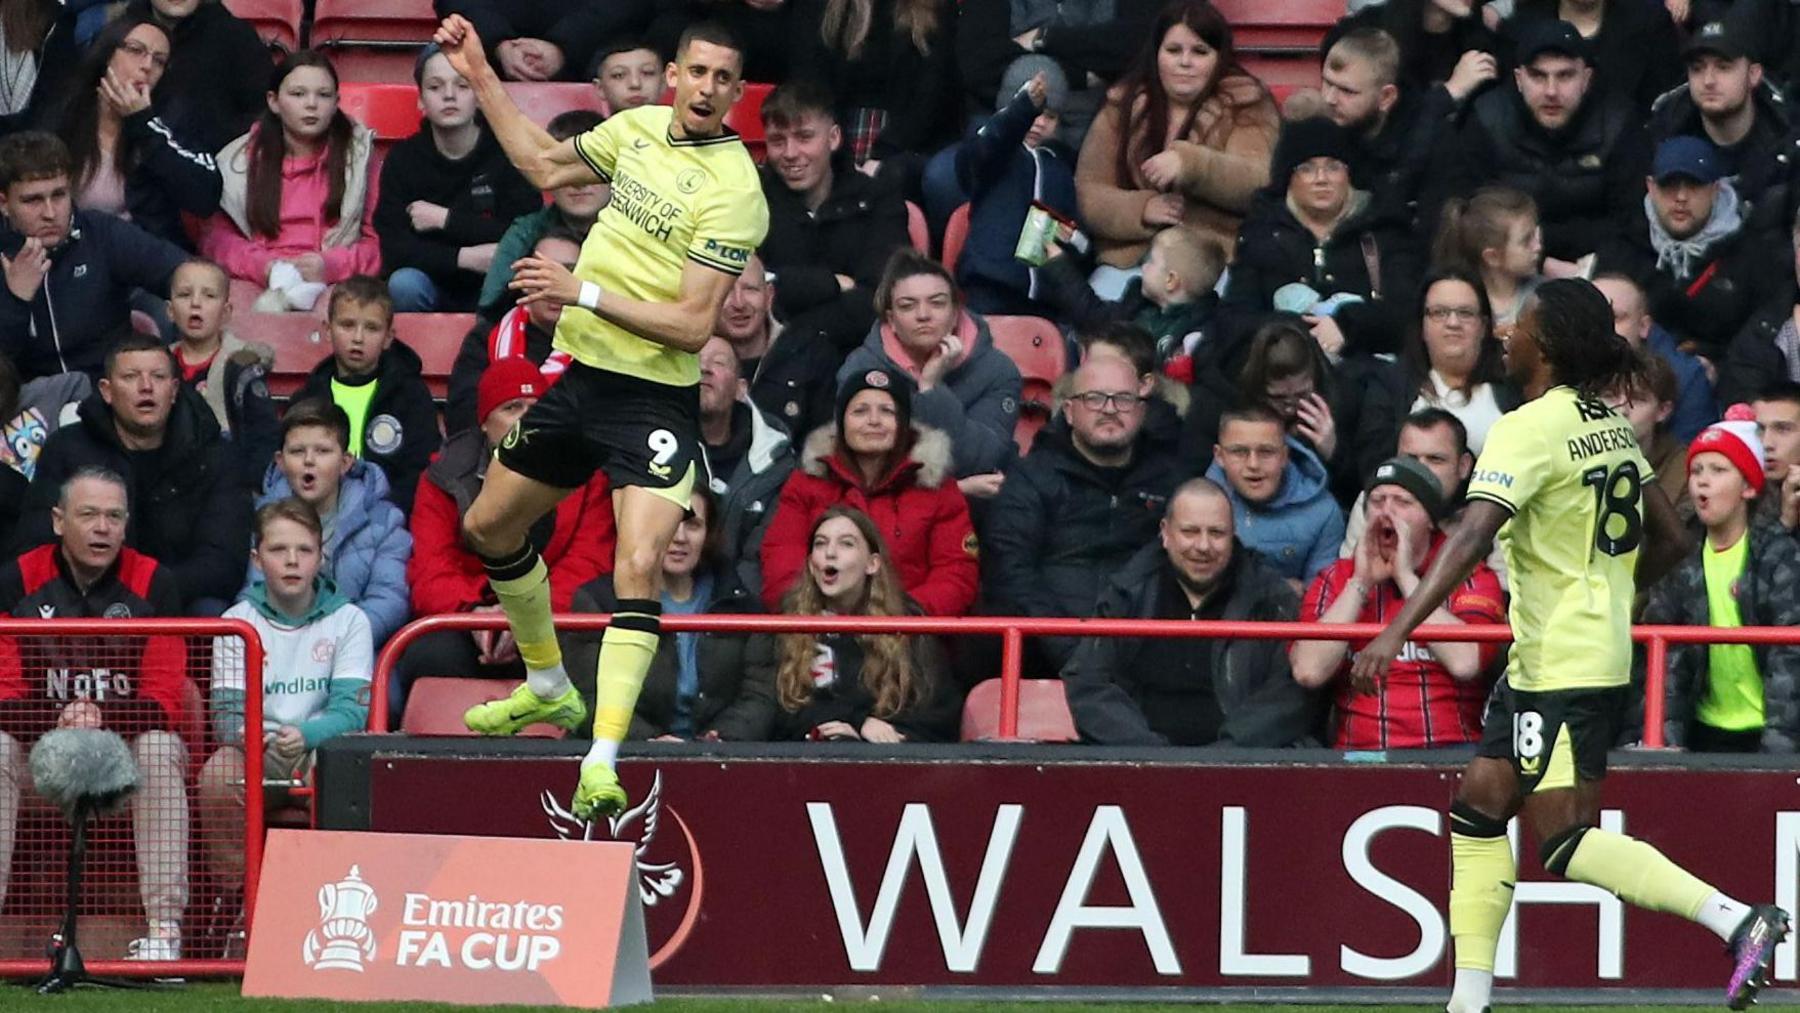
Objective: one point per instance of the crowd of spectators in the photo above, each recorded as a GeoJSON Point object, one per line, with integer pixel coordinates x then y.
{"type": "Point", "coordinates": [1283, 324]}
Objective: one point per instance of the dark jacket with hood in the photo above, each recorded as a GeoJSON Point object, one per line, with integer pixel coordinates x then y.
{"type": "Point", "coordinates": [1761, 167]}
{"type": "Point", "coordinates": [1371, 252]}
{"type": "Point", "coordinates": [1767, 349]}
{"type": "Point", "coordinates": [976, 405]}
{"type": "Point", "coordinates": [1002, 178]}
{"type": "Point", "coordinates": [85, 299]}
{"type": "Point", "coordinates": [749, 494]}
{"type": "Point", "coordinates": [795, 380]}
{"type": "Point", "coordinates": [1765, 597]}
{"type": "Point", "coordinates": [1062, 525]}
{"type": "Point", "coordinates": [1097, 37]}
{"type": "Point", "coordinates": [853, 233]}
{"type": "Point", "coordinates": [189, 508]}
{"type": "Point", "coordinates": [401, 431]}
{"type": "Point", "coordinates": [1586, 176]}
{"type": "Point", "coordinates": [217, 77]}
{"type": "Point", "coordinates": [1116, 701]}
{"type": "Point", "coordinates": [236, 388]}
{"type": "Point", "coordinates": [1723, 288]}
{"type": "Point", "coordinates": [722, 705]}
{"type": "Point", "coordinates": [483, 193]}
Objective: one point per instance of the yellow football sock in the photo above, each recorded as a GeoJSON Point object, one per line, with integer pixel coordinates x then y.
{"type": "Point", "coordinates": [523, 587]}
{"type": "Point", "coordinates": [626, 650]}
{"type": "Point", "coordinates": [1637, 872]}
{"type": "Point", "coordinates": [1481, 892]}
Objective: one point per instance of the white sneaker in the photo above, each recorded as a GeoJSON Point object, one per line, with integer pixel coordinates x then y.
{"type": "Point", "coordinates": [155, 948]}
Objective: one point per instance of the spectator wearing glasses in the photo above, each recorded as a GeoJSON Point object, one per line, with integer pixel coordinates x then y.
{"type": "Point", "coordinates": [1280, 501]}
{"type": "Point", "coordinates": [1077, 507]}
{"type": "Point", "coordinates": [1450, 360]}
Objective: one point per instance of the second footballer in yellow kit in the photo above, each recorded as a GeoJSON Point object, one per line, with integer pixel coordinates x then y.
{"type": "Point", "coordinates": [1562, 482]}
{"type": "Point", "coordinates": [686, 214]}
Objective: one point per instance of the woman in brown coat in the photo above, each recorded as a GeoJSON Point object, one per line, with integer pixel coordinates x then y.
{"type": "Point", "coordinates": [1185, 137]}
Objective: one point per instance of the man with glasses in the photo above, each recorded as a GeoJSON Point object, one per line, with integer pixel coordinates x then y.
{"type": "Point", "coordinates": [1080, 504]}
{"type": "Point", "coordinates": [1280, 494]}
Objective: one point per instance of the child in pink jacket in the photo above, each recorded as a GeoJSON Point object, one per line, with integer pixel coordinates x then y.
{"type": "Point", "coordinates": [299, 195]}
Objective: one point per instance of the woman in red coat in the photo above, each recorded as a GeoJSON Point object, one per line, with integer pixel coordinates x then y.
{"type": "Point", "coordinates": [445, 574]}
{"type": "Point", "coordinates": [899, 474]}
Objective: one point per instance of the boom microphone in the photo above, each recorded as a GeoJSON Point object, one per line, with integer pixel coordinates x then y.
{"type": "Point", "coordinates": [78, 768]}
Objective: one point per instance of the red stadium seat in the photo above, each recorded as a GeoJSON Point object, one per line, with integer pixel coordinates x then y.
{"type": "Point", "coordinates": [299, 339]}
{"type": "Point", "coordinates": [437, 337]}
{"type": "Point", "coordinates": [542, 101]}
{"type": "Point", "coordinates": [372, 40]}
{"type": "Point", "coordinates": [956, 235]}
{"type": "Point", "coordinates": [435, 706]}
{"type": "Point", "coordinates": [391, 110]}
{"type": "Point", "coordinates": [746, 118]}
{"type": "Point", "coordinates": [916, 229]}
{"type": "Point", "coordinates": [1043, 712]}
{"type": "Point", "coordinates": [1291, 27]}
{"type": "Point", "coordinates": [1036, 347]}
{"type": "Point", "coordinates": [277, 21]}
{"type": "Point", "coordinates": [1283, 72]}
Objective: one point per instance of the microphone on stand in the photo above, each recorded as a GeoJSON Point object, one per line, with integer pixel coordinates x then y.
{"type": "Point", "coordinates": [85, 772]}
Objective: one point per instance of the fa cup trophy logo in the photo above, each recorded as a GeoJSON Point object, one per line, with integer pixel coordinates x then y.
{"type": "Point", "coordinates": [343, 939]}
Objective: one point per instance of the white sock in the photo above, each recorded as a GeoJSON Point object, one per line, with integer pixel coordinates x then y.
{"type": "Point", "coordinates": [1473, 991]}
{"type": "Point", "coordinates": [1722, 914]}
{"type": "Point", "coordinates": [602, 752]}
{"type": "Point", "coordinates": [547, 683]}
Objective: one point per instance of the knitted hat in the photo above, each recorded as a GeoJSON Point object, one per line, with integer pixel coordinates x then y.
{"type": "Point", "coordinates": [1023, 69]}
{"type": "Point", "coordinates": [1301, 140]}
{"type": "Point", "coordinates": [504, 380]}
{"type": "Point", "coordinates": [877, 379]}
{"type": "Point", "coordinates": [1415, 478]}
{"type": "Point", "coordinates": [1738, 439]}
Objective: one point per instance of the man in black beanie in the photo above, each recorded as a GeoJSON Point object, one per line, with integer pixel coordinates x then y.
{"type": "Point", "coordinates": [1312, 235]}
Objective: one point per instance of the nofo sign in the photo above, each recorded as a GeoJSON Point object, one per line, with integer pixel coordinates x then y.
{"type": "Point", "coordinates": [1052, 868]}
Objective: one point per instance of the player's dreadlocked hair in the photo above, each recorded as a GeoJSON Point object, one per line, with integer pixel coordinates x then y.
{"type": "Point", "coordinates": [1575, 331]}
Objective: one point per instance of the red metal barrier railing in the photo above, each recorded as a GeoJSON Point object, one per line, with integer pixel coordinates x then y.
{"type": "Point", "coordinates": [26, 633]}
{"type": "Point", "coordinates": [1013, 630]}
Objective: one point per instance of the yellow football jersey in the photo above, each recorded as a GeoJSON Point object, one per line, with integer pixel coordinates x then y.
{"type": "Point", "coordinates": [672, 201]}
{"type": "Point", "coordinates": [1570, 471]}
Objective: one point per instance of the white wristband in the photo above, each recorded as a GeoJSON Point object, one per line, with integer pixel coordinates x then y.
{"type": "Point", "coordinates": [589, 299]}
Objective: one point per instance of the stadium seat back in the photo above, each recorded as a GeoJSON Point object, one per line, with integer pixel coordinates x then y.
{"type": "Point", "coordinates": [300, 342]}
{"type": "Point", "coordinates": [437, 337]}
{"type": "Point", "coordinates": [916, 229]}
{"type": "Point", "coordinates": [435, 706]}
{"type": "Point", "coordinates": [542, 101]}
{"type": "Point", "coordinates": [956, 236]}
{"type": "Point", "coordinates": [1290, 27]}
{"type": "Point", "coordinates": [277, 22]}
{"type": "Point", "coordinates": [746, 118]}
{"type": "Point", "coordinates": [1043, 712]}
{"type": "Point", "coordinates": [1036, 347]}
{"type": "Point", "coordinates": [372, 40]}
{"type": "Point", "coordinates": [390, 110]}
